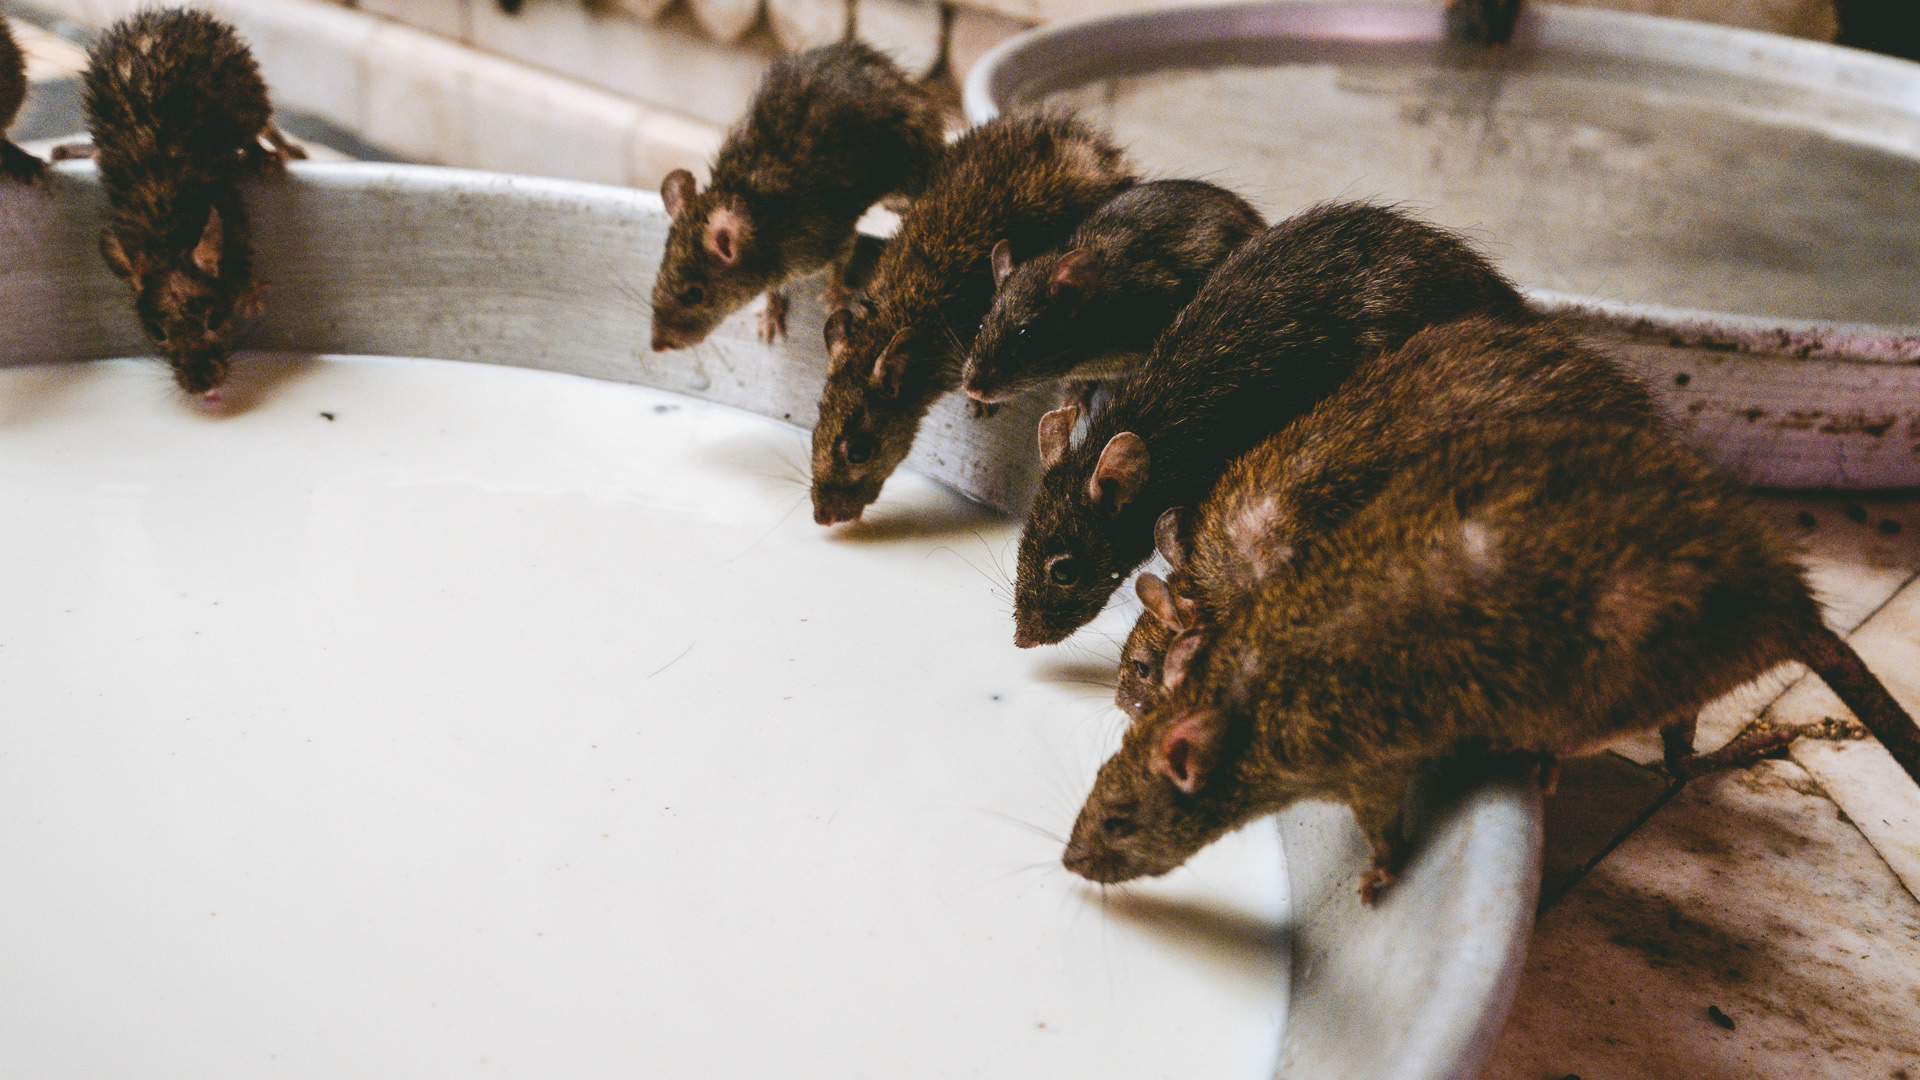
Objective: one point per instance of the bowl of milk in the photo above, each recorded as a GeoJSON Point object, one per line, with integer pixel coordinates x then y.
{"type": "Point", "coordinates": [469, 691]}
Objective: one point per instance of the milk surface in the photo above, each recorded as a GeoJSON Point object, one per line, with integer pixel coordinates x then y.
{"type": "Point", "coordinates": [403, 718]}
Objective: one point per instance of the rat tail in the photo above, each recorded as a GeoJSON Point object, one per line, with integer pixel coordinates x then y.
{"type": "Point", "coordinates": [1831, 658]}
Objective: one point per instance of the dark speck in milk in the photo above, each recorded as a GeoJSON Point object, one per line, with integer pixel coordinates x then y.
{"type": "Point", "coordinates": [326, 416]}
{"type": "Point", "coordinates": [665, 408]}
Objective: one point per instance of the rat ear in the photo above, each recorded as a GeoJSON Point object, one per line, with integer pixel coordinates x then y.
{"type": "Point", "coordinates": [1184, 651]}
{"type": "Point", "coordinates": [1074, 276]}
{"type": "Point", "coordinates": [1121, 473]}
{"type": "Point", "coordinates": [206, 253]}
{"type": "Point", "coordinates": [116, 256]}
{"type": "Point", "coordinates": [1166, 537]}
{"type": "Point", "coordinates": [677, 190]}
{"type": "Point", "coordinates": [1002, 262]}
{"type": "Point", "coordinates": [1160, 601]}
{"type": "Point", "coordinates": [1056, 431]}
{"type": "Point", "coordinates": [725, 227]}
{"type": "Point", "coordinates": [1188, 752]}
{"type": "Point", "coordinates": [838, 328]}
{"type": "Point", "coordinates": [890, 368]}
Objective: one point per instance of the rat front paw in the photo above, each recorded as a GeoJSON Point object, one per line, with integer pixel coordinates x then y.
{"type": "Point", "coordinates": [1374, 882]}
{"type": "Point", "coordinates": [982, 409]}
{"type": "Point", "coordinates": [773, 318]}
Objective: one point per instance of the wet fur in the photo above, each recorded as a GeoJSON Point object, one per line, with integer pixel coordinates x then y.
{"type": "Point", "coordinates": [1548, 586]}
{"type": "Point", "coordinates": [1396, 409]}
{"type": "Point", "coordinates": [1153, 245]}
{"type": "Point", "coordinates": [1276, 328]}
{"type": "Point", "coordinates": [15, 163]}
{"type": "Point", "coordinates": [830, 132]}
{"type": "Point", "coordinates": [177, 111]}
{"type": "Point", "coordinates": [1027, 178]}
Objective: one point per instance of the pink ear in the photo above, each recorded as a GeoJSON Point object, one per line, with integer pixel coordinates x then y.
{"type": "Point", "coordinates": [206, 253]}
{"type": "Point", "coordinates": [836, 331]}
{"type": "Point", "coordinates": [1121, 473]}
{"type": "Point", "coordinates": [1056, 432]}
{"type": "Point", "coordinates": [890, 368]}
{"type": "Point", "coordinates": [677, 191]}
{"type": "Point", "coordinates": [1074, 276]}
{"type": "Point", "coordinates": [1166, 537]}
{"type": "Point", "coordinates": [1186, 648]}
{"type": "Point", "coordinates": [1002, 263]}
{"type": "Point", "coordinates": [724, 229]}
{"type": "Point", "coordinates": [1188, 752]}
{"type": "Point", "coordinates": [1158, 598]}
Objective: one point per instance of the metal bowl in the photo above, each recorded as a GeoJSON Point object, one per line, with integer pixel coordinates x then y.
{"type": "Point", "coordinates": [1736, 213]}
{"type": "Point", "coordinates": [407, 261]}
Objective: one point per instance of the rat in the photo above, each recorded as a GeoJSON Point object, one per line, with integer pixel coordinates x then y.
{"type": "Point", "coordinates": [830, 132]}
{"type": "Point", "coordinates": [1303, 482]}
{"type": "Point", "coordinates": [1276, 328]}
{"type": "Point", "coordinates": [1031, 178]}
{"type": "Point", "coordinates": [1094, 305]}
{"type": "Point", "coordinates": [1540, 588]}
{"type": "Point", "coordinates": [14, 162]}
{"type": "Point", "coordinates": [179, 117]}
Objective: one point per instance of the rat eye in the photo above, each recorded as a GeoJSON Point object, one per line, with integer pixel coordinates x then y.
{"type": "Point", "coordinates": [1118, 827]}
{"type": "Point", "coordinates": [1142, 669]}
{"type": "Point", "coordinates": [215, 320]}
{"type": "Point", "coordinates": [692, 295]}
{"type": "Point", "coordinates": [1020, 333]}
{"type": "Point", "coordinates": [860, 447]}
{"type": "Point", "coordinates": [158, 332]}
{"type": "Point", "coordinates": [1063, 569]}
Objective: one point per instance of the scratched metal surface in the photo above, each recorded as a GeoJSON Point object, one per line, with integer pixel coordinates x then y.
{"type": "Point", "coordinates": [1737, 213]}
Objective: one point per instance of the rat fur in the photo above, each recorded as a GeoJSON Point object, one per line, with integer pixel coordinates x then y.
{"type": "Point", "coordinates": [1303, 482]}
{"type": "Point", "coordinates": [830, 132]}
{"type": "Point", "coordinates": [1094, 305]}
{"type": "Point", "coordinates": [1276, 328]}
{"type": "Point", "coordinates": [14, 162]}
{"type": "Point", "coordinates": [1544, 588]}
{"type": "Point", "coordinates": [178, 114]}
{"type": "Point", "coordinates": [1028, 178]}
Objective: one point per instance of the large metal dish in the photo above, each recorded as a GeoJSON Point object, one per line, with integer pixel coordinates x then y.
{"type": "Point", "coordinates": [1736, 213]}
{"type": "Point", "coordinates": [407, 261]}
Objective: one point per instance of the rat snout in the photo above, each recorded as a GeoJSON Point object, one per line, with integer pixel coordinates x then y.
{"type": "Point", "coordinates": [665, 339]}
{"type": "Point", "coordinates": [833, 508]}
{"type": "Point", "coordinates": [1096, 864]}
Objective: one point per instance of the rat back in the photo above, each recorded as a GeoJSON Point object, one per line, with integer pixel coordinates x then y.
{"type": "Point", "coordinates": [1105, 294]}
{"type": "Point", "coordinates": [1276, 328]}
{"type": "Point", "coordinates": [1305, 481]}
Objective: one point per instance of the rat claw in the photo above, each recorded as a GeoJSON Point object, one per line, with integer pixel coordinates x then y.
{"type": "Point", "coordinates": [1374, 882]}
{"type": "Point", "coordinates": [773, 318]}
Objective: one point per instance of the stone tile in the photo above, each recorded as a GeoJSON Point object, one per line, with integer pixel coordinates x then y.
{"type": "Point", "coordinates": [524, 121]}
{"type": "Point", "coordinates": [49, 57]}
{"type": "Point", "coordinates": [311, 54]}
{"type": "Point", "coordinates": [1861, 776]}
{"type": "Point", "coordinates": [670, 63]}
{"type": "Point", "coordinates": [725, 20]}
{"type": "Point", "coordinates": [663, 142]}
{"type": "Point", "coordinates": [647, 10]}
{"type": "Point", "coordinates": [805, 24]}
{"type": "Point", "coordinates": [414, 87]}
{"type": "Point", "coordinates": [448, 18]}
{"type": "Point", "coordinates": [907, 30]}
{"type": "Point", "coordinates": [1600, 799]}
{"type": "Point", "coordinates": [1748, 892]}
{"type": "Point", "coordinates": [971, 33]}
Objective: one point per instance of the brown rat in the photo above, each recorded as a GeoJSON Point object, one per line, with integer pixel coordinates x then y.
{"type": "Point", "coordinates": [1029, 178]}
{"type": "Point", "coordinates": [1094, 305]}
{"type": "Point", "coordinates": [830, 132]}
{"type": "Point", "coordinates": [1303, 482]}
{"type": "Point", "coordinates": [14, 162]}
{"type": "Point", "coordinates": [1276, 328]}
{"type": "Point", "coordinates": [1545, 587]}
{"type": "Point", "coordinates": [178, 114]}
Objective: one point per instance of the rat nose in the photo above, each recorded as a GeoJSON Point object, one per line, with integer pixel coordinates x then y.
{"type": "Point", "coordinates": [664, 339]}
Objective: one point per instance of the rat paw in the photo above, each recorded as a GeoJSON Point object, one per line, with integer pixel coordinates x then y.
{"type": "Point", "coordinates": [773, 318]}
{"type": "Point", "coordinates": [19, 164]}
{"type": "Point", "coordinates": [1374, 882]}
{"type": "Point", "coordinates": [982, 409]}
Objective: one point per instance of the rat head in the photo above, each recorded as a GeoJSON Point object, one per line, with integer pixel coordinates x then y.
{"type": "Point", "coordinates": [1030, 327]}
{"type": "Point", "coordinates": [868, 415]}
{"type": "Point", "coordinates": [190, 307]}
{"type": "Point", "coordinates": [1171, 790]}
{"type": "Point", "coordinates": [1142, 658]}
{"type": "Point", "coordinates": [1070, 561]}
{"type": "Point", "coordinates": [709, 269]}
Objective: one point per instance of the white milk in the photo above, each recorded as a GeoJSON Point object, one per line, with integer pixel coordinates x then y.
{"type": "Point", "coordinates": [522, 725]}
